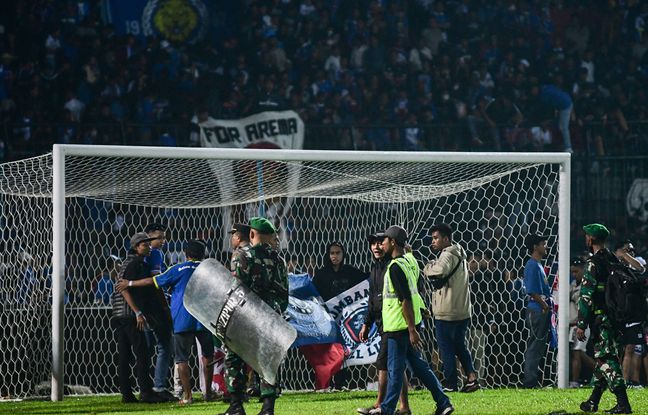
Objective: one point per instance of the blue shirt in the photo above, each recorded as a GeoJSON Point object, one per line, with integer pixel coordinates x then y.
{"type": "Point", "coordinates": [156, 261]}
{"type": "Point", "coordinates": [535, 282]}
{"type": "Point", "coordinates": [176, 278]}
{"type": "Point", "coordinates": [555, 97]}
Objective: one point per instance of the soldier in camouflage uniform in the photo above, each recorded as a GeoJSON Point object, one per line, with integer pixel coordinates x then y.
{"type": "Point", "coordinates": [592, 312]}
{"type": "Point", "coordinates": [263, 271]}
{"type": "Point", "coordinates": [240, 240]}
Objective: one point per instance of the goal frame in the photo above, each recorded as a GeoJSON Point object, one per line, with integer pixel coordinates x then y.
{"type": "Point", "coordinates": [60, 151]}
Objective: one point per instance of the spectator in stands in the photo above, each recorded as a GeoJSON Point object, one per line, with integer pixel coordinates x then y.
{"type": "Point", "coordinates": [364, 53]}
{"type": "Point", "coordinates": [559, 101]}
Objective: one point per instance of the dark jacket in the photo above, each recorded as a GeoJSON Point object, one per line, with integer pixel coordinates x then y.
{"type": "Point", "coordinates": [376, 282]}
{"type": "Point", "coordinates": [330, 283]}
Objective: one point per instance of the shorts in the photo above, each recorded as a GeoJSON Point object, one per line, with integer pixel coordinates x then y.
{"type": "Point", "coordinates": [381, 360]}
{"type": "Point", "coordinates": [632, 333]}
{"type": "Point", "coordinates": [183, 341]}
{"type": "Point", "coordinates": [577, 344]}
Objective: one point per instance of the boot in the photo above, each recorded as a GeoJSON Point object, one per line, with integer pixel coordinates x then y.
{"type": "Point", "coordinates": [623, 405]}
{"type": "Point", "coordinates": [591, 405]}
{"type": "Point", "coordinates": [236, 406]}
{"type": "Point", "coordinates": [268, 406]}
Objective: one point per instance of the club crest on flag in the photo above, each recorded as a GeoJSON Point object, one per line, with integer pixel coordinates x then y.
{"type": "Point", "coordinates": [178, 21]}
{"type": "Point", "coordinates": [352, 323]}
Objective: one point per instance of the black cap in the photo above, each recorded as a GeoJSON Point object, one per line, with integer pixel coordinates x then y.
{"type": "Point", "coordinates": [240, 227]}
{"type": "Point", "coordinates": [397, 233]}
{"type": "Point", "coordinates": [533, 239]}
{"type": "Point", "coordinates": [378, 236]}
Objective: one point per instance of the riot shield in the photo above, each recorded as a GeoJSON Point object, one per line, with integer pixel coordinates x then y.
{"type": "Point", "coordinates": [245, 323]}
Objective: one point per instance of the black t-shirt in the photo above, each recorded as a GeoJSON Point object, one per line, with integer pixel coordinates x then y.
{"type": "Point", "coordinates": [399, 282]}
{"type": "Point", "coordinates": [147, 298]}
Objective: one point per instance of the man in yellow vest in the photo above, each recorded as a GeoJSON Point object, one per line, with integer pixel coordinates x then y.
{"type": "Point", "coordinates": [401, 314]}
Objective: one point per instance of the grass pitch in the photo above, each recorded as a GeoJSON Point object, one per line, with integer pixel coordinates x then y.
{"type": "Point", "coordinates": [496, 402]}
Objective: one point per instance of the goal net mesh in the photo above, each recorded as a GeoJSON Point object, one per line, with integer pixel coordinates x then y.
{"type": "Point", "coordinates": [491, 206]}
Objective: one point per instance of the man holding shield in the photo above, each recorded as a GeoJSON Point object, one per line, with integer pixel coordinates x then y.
{"type": "Point", "coordinates": [263, 272]}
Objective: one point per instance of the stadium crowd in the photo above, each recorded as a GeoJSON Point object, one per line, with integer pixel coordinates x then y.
{"type": "Point", "coordinates": [441, 74]}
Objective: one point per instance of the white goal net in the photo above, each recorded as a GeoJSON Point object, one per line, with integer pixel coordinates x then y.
{"type": "Point", "coordinates": [313, 197]}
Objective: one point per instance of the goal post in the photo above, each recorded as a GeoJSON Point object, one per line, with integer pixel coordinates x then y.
{"type": "Point", "coordinates": [491, 199]}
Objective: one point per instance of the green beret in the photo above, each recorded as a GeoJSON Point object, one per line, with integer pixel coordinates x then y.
{"type": "Point", "coordinates": [262, 225]}
{"type": "Point", "coordinates": [596, 230]}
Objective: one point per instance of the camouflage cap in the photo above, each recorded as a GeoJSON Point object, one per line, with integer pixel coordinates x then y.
{"type": "Point", "coordinates": [596, 230]}
{"type": "Point", "coordinates": [262, 225]}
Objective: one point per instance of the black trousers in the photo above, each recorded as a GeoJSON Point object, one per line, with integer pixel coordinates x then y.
{"type": "Point", "coordinates": [131, 340]}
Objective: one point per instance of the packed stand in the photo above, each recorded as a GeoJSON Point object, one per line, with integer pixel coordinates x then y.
{"type": "Point", "coordinates": [510, 75]}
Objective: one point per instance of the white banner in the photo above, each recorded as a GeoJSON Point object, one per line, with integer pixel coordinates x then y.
{"type": "Point", "coordinates": [280, 129]}
{"type": "Point", "coordinates": [349, 309]}
{"type": "Point", "coordinates": [269, 129]}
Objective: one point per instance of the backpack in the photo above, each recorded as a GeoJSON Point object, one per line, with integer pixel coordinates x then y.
{"type": "Point", "coordinates": [624, 294]}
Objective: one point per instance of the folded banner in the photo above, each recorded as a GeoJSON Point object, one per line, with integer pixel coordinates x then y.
{"type": "Point", "coordinates": [349, 309]}
{"type": "Point", "coordinates": [279, 129]}
{"type": "Point", "coordinates": [307, 315]}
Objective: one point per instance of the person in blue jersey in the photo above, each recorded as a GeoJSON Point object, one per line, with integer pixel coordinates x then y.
{"type": "Point", "coordinates": [186, 328]}
{"type": "Point", "coordinates": [156, 257]}
{"type": "Point", "coordinates": [538, 310]}
{"type": "Point", "coordinates": [163, 339]}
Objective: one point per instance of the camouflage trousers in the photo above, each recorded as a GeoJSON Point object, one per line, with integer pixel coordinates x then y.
{"type": "Point", "coordinates": [236, 377]}
{"type": "Point", "coordinates": [607, 371]}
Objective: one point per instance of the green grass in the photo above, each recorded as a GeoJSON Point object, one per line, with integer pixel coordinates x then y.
{"type": "Point", "coordinates": [503, 401]}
